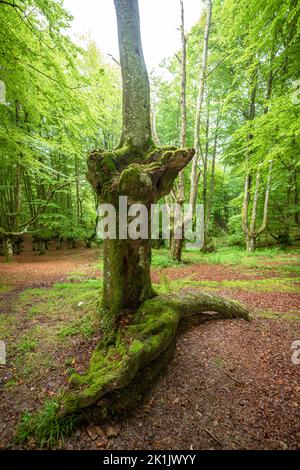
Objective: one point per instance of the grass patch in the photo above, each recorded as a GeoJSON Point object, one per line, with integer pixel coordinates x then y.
{"type": "Point", "coordinates": [292, 315]}
{"type": "Point", "coordinates": [233, 256]}
{"type": "Point", "coordinates": [27, 344]}
{"type": "Point", "coordinates": [46, 428]}
{"type": "Point", "coordinates": [258, 285]}
{"type": "Point", "coordinates": [4, 289]}
{"type": "Point", "coordinates": [84, 326]}
{"type": "Point", "coordinates": [7, 326]}
{"type": "Point", "coordinates": [11, 383]}
{"type": "Point", "coordinates": [162, 259]}
{"type": "Point", "coordinates": [42, 320]}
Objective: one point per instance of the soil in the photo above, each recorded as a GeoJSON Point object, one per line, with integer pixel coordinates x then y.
{"type": "Point", "coordinates": [231, 384]}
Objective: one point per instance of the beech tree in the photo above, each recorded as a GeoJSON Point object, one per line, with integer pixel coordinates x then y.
{"type": "Point", "coordinates": [177, 243]}
{"type": "Point", "coordinates": [144, 173]}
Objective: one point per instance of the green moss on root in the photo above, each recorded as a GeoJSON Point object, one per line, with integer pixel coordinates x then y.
{"type": "Point", "coordinates": [137, 345]}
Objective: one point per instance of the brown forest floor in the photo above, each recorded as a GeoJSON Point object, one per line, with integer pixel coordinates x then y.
{"type": "Point", "coordinates": [231, 384]}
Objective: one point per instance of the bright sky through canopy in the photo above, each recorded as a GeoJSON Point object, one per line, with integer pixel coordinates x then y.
{"type": "Point", "coordinates": [160, 20]}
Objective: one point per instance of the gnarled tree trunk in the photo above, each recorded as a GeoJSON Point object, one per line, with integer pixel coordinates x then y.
{"type": "Point", "coordinates": [135, 170]}
{"type": "Point", "coordinates": [144, 174]}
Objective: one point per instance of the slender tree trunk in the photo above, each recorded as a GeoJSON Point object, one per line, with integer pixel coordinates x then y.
{"type": "Point", "coordinates": [8, 250]}
{"type": "Point", "coordinates": [252, 233]}
{"type": "Point", "coordinates": [204, 184]}
{"type": "Point", "coordinates": [212, 181]}
{"type": "Point", "coordinates": [194, 172]}
{"type": "Point", "coordinates": [153, 126]}
{"type": "Point", "coordinates": [177, 243]}
{"type": "Point", "coordinates": [248, 176]}
{"type": "Point", "coordinates": [296, 198]}
{"type": "Point", "coordinates": [255, 203]}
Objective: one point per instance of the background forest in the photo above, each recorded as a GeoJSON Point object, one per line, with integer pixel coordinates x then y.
{"type": "Point", "coordinates": [59, 101]}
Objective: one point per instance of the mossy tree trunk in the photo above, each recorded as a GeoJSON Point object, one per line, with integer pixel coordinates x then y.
{"type": "Point", "coordinates": [135, 169]}
{"type": "Point", "coordinates": [143, 173]}
{"type": "Point", "coordinates": [8, 250]}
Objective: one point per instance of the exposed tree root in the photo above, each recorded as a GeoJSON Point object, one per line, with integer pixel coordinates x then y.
{"type": "Point", "coordinates": [116, 361]}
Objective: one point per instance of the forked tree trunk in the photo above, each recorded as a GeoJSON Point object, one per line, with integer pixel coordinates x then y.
{"type": "Point", "coordinates": [133, 170]}
{"type": "Point", "coordinates": [127, 262]}
{"type": "Point", "coordinates": [195, 172]}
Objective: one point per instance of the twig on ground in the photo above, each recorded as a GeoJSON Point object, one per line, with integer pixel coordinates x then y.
{"type": "Point", "coordinates": [214, 437]}
{"type": "Point", "coordinates": [232, 377]}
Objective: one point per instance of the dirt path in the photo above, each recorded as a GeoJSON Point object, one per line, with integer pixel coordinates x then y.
{"type": "Point", "coordinates": [29, 269]}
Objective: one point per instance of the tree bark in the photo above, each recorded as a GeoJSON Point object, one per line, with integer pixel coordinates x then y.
{"type": "Point", "coordinates": [147, 178]}
{"type": "Point", "coordinates": [296, 198]}
{"type": "Point", "coordinates": [177, 243]}
{"type": "Point", "coordinates": [194, 172]}
{"type": "Point", "coordinates": [136, 129]}
{"type": "Point", "coordinates": [212, 181]}
{"type": "Point", "coordinates": [204, 182]}
{"type": "Point", "coordinates": [8, 250]}
{"type": "Point", "coordinates": [248, 176]}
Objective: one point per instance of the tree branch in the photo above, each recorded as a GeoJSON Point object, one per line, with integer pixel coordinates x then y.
{"type": "Point", "coordinates": [42, 209]}
{"type": "Point", "coordinates": [13, 5]}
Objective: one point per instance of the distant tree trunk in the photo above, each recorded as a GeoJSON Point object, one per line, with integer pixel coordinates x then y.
{"type": "Point", "coordinates": [296, 198]}
{"type": "Point", "coordinates": [201, 87]}
{"type": "Point", "coordinates": [212, 183]}
{"type": "Point", "coordinates": [8, 250]}
{"type": "Point", "coordinates": [248, 176]}
{"type": "Point", "coordinates": [177, 243]}
{"type": "Point", "coordinates": [204, 182]}
{"type": "Point", "coordinates": [252, 232]}
{"type": "Point", "coordinates": [249, 230]}
{"type": "Point", "coordinates": [153, 126]}
{"type": "Point", "coordinates": [176, 246]}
